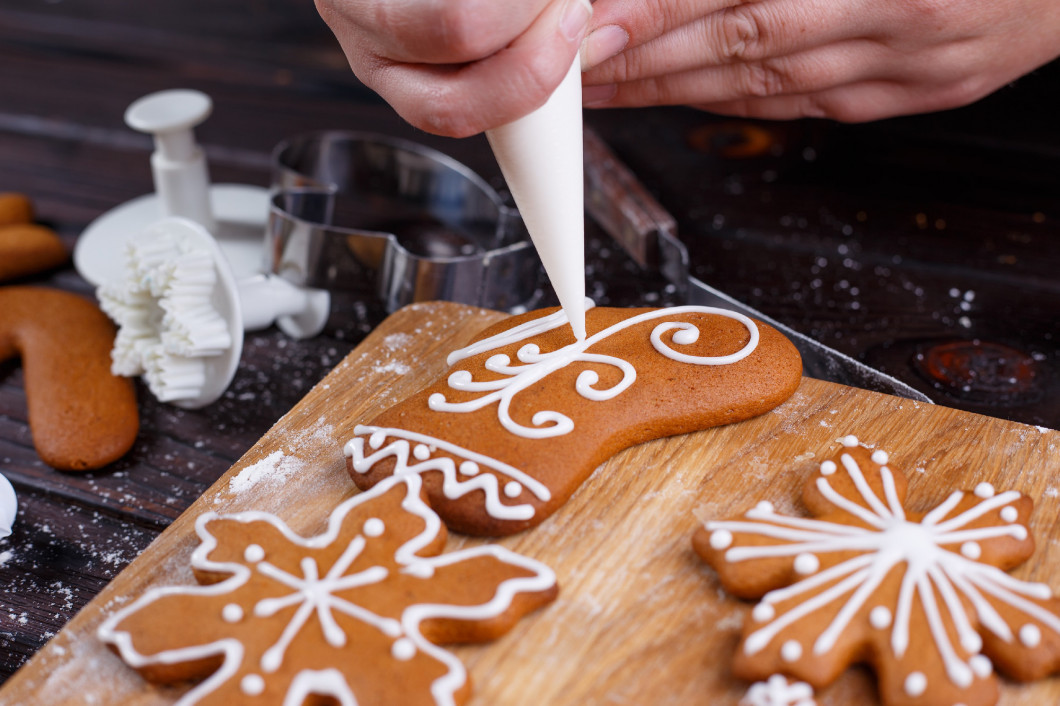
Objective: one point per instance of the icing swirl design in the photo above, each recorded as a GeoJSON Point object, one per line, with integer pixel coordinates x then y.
{"type": "Point", "coordinates": [533, 365]}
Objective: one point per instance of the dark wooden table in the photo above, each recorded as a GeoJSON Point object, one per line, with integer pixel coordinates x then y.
{"type": "Point", "coordinates": [928, 247]}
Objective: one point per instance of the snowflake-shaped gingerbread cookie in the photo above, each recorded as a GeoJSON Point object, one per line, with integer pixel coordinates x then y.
{"type": "Point", "coordinates": [354, 615]}
{"type": "Point", "coordinates": [923, 597]}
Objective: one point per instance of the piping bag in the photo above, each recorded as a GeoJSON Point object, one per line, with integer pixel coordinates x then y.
{"type": "Point", "coordinates": [540, 156]}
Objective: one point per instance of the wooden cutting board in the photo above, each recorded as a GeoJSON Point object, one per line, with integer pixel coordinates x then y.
{"type": "Point", "coordinates": [640, 619]}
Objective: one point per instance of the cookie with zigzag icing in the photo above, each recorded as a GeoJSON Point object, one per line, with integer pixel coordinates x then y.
{"type": "Point", "coordinates": [525, 413]}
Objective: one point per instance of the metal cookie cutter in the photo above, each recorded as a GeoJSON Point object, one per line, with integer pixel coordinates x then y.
{"type": "Point", "coordinates": [391, 218]}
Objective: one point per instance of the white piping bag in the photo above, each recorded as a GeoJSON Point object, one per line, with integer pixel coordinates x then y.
{"type": "Point", "coordinates": [540, 156]}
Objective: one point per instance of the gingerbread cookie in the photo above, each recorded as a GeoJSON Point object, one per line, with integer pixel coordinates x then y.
{"type": "Point", "coordinates": [80, 414]}
{"type": "Point", "coordinates": [354, 615]}
{"type": "Point", "coordinates": [25, 248]}
{"type": "Point", "coordinates": [921, 596]}
{"type": "Point", "coordinates": [15, 208]}
{"type": "Point", "coordinates": [527, 412]}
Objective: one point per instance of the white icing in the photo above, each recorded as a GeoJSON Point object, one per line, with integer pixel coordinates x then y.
{"type": "Point", "coordinates": [533, 365]}
{"type": "Point", "coordinates": [512, 489]}
{"type": "Point", "coordinates": [915, 683]}
{"type": "Point", "coordinates": [469, 468]}
{"type": "Point", "coordinates": [946, 583]}
{"type": "Point", "coordinates": [421, 452]}
{"type": "Point", "coordinates": [374, 527]}
{"type": "Point", "coordinates": [806, 564]}
{"type": "Point", "coordinates": [972, 550]}
{"type": "Point", "coordinates": [763, 612]}
{"type": "Point", "coordinates": [452, 486]}
{"type": "Point", "coordinates": [828, 468]}
{"type": "Point", "coordinates": [777, 691]}
{"type": "Point", "coordinates": [252, 685]}
{"type": "Point", "coordinates": [722, 539]}
{"type": "Point", "coordinates": [1030, 635]}
{"type": "Point", "coordinates": [791, 651]}
{"type": "Point", "coordinates": [8, 507]}
{"type": "Point", "coordinates": [984, 490]}
{"type": "Point", "coordinates": [403, 649]}
{"type": "Point", "coordinates": [849, 441]}
{"type": "Point", "coordinates": [879, 457]}
{"type": "Point", "coordinates": [880, 617]}
{"type": "Point", "coordinates": [232, 613]}
{"type": "Point", "coordinates": [313, 593]}
{"type": "Point", "coordinates": [1009, 514]}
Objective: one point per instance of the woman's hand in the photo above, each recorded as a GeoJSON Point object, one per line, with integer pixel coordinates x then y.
{"type": "Point", "coordinates": [851, 60]}
{"type": "Point", "coordinates": [458, 67]}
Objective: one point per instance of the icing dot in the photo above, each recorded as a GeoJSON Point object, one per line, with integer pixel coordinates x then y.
{"type": "Point", "coordinates": [252, 685]}
{"type": "Point", "coordinates": [791, 651]}
{"type": "Point", "coordinates": [981, 666]}
{"type": "Point", "coordinates": [469, 468]}
{"type": "Point", "coordinates": [880, 617]}
{"type": "Point", "coordinates": [806, 564]}
{"type": "Point", "coordinates": [1030, 635]}
{"type": "Point", "coordinates": [1009, 514]}
{"type": "Point", "coordinates": [721, 539]}
{"type": "Point", "coordinates": [513, 489]}
{"type": "Point", "coordinates": [764, 507]}
{"type": "Point", "coordinates": [763, 612]}
{"type": "Point", "coordinates": [972, 550]}
{"type": "Point", "coordinates": [232, 613]}
{"type": "Point", "coordinates": [828, 468]}
{"type": "Point", "coordinates": [421, 452]}
{"type": "Point", "coordinates": [915, 684]}
{"type": "Point", "coordinates": [849, 441]}
{"type": "Point", "coordinates": [373, 527]}
{"type": "Point", "coordinates": [972, 642]}
{"type": "Point", "coordinates": [420, 569]}
{"type": "Point", "coordinates": [376, 439]}
{"type": "Point", "coordinates": [403, 649]}
{"type": "Point", "coordinates": [879, 457]}
{"type": "Point", "coordinates": [984, 490]}
{"type": "Point", "coordinates": [254, 553]}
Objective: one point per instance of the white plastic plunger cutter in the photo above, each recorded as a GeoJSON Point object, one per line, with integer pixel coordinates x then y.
{"type": "Point", "coordinates": [178, 164]}
{"type": "Point", "coordinates": [235, 214]}
{"type": "Point", "coordinates": [540, 156]}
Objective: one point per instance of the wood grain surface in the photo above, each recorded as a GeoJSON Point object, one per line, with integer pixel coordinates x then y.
{"type": "Point", "coordinates": [639, 618]}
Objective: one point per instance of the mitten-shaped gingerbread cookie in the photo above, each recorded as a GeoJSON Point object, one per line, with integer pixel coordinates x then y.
{"type": "Point", "coordinates": [355, 615]}
{"type": "Point", "coordinates": [526, 412]}
{"type": "Point", "coordinates": [921, 596]}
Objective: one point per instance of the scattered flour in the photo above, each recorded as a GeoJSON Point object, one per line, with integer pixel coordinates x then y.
{"type": "Point", "coordinates": [6, 556]}
{"type": "Point", "coordinates": [274, 468]}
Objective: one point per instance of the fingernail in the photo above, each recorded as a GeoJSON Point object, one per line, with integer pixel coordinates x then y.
{"type": "Point", "coordinates": [575, 17]}
{"type": "Point", "coordinates": [602, 44]}
{"type": "Point", "coordinates": [598, 94]}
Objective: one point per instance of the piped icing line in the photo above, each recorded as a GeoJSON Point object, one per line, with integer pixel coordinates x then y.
{"type": "Point", "coordinates": [934, 576]}
{"type": "Point", "coordinates": [535, 365]}
{"type": "Point", "coordinates": [316, 596]}
{"type": "Point", "coordinates": [403, 451]}
{"type": "Point", "coordinates": [778, 691]}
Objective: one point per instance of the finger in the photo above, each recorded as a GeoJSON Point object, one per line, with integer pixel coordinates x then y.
{"type": "Point", "coordinates": [854, 103]}
{"type": "Point", "coordinates": [458, 101]}
{"type": "Point", "coordinates": [750, 32]}
{"type": "Point", "coordinates": [805, 72]}
{"type": "Point", "coordinates": [423, 31]}
{"type": "Point", "coordinates": [644, 20]}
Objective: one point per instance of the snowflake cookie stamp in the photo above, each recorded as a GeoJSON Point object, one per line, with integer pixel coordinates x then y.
{"type": "Point", "coordinates": [352, 616]}
{"type": "Point", "coordinates": [923, 597]}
